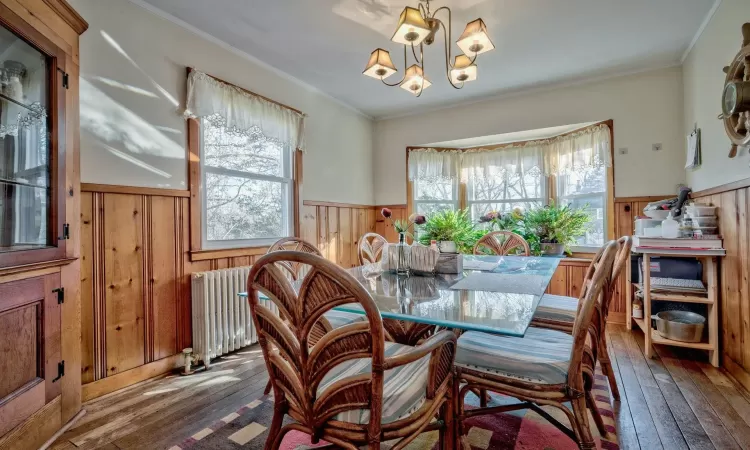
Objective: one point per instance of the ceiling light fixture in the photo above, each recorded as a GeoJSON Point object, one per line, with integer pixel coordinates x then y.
{"type": "Point", "coordinates": [417, 27]}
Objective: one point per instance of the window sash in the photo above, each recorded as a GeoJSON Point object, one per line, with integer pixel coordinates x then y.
{"type": "Point", "coordinates": [287, 198]}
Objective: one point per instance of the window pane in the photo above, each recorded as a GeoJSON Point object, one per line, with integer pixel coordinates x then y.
{"type": "Point", "coordinates": [480, 209]}
{"type": "Point", "coordinates": [252, 153]}
{"type": "Point", "coordinates": [507, 185]}
{"type": "Point", "coordinates": [582, 181]}
{"type": "Point", "coordinates": [242, 208]}
{"type": "Point", "coordinates": [596, 206]}
{"type": "Point", "coordinates": [431, 208]}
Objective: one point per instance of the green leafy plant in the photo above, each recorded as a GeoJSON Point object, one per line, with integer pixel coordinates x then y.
{"type": "Point", "coordinates": [555, 224]}
{"type": "Point", "coordinates": [450, 225]}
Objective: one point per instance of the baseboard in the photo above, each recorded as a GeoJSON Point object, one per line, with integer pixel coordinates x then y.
{"type": "Point", "coordinates": [738, 372]}
{"type": "Point", "coordinates": [130, 377]}
{"type": "Point", "coordinates": [616, 317]}
{"type": "Point", "coordinates": [36, 430]}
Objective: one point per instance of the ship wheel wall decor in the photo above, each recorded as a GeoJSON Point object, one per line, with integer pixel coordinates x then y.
{"type": "Point", "coordinates": [735, 99]}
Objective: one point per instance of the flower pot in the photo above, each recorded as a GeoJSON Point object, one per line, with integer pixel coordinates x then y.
{"type": "Point", "coordinates": [447, 247]}
{"type": "Point", "coordinates": [552, 249]}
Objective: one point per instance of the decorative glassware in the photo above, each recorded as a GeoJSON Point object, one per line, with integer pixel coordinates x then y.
{"type": "Point", "coordinates": [404, 253]}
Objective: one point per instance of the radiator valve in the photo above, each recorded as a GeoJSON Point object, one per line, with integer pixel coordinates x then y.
{"type": "Point", "coordinates": [189, 359]}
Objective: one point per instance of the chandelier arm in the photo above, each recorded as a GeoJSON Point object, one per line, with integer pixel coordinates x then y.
{"type": "Point", "coordinates": [448, 65]}
{"type": "Point", "coordinates": [403, 77]}
{"type": "Point", "coordinates": [449, 32]}
{"type": "Point", "coordinates": [424, 74]}
{"type": "Point", "coordinates": [414, 52]}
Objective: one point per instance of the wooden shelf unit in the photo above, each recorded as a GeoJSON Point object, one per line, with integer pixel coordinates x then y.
{"type": "Point", "coordinates": [651, 336]}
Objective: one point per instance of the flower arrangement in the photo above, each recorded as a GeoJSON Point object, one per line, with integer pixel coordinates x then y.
{"type": "Point", "coordinates": [510, 221]}
{"type": "Point", "coordinates": [403, 226]}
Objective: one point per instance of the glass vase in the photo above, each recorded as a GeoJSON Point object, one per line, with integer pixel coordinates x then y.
{"type": "Point", "coordinates": [403, 252]}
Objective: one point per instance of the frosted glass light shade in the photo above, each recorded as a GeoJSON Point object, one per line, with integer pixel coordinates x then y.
{"type": "Point", "coordinates": [463, 70]}
{"type": "Point", "coordinates": [415, 80]}
{"type": "Point", "coordinates": [475, 40]}
{"type": "Point", "coordinates": [411, 29]}
{"type": "Point", "coordinates": [380, 65]}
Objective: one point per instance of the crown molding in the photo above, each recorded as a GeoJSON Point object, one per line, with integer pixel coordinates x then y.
{"type": "Point", "coordinates": [226, 46]}
{"type": "Point", "coordinates": [701, 28]}
{"type": "Point", "coordinates": [68, 14]}
{"type": "Point", "coordinates": [533, 90]}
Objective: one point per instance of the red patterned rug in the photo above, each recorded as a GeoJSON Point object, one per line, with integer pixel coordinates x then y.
{"type": "Point", "coordinates": [519, 430]}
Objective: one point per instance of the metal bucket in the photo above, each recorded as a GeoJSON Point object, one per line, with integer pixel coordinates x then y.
{"type": "Point", "coordinates": [684, 326]}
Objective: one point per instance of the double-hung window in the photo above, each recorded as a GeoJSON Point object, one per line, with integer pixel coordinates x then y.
{"type": "Point", "coordinates": [586, 187]}
{"type": "Point", "coordinates": [245, 146]}
{"type": "Point", "coordinates": [247, 187]}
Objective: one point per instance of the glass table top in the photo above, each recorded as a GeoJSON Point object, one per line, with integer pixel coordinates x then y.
{"type": "Point", "coordinates": [494, 294]}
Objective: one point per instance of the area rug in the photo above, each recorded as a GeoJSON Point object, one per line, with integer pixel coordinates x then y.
{"type": "Point", "coordinates": [247, 428]}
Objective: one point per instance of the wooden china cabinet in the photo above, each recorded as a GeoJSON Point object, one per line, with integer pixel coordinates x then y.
{"type": "Point", "coordinates": [40, 387]}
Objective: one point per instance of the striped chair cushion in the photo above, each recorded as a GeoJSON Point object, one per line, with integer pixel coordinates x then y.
{"type": "Point", "coordinates": [404, 387]}
{"type": "Point", "coordinates": [340, 318]}
{"type": "Point", "coordinates": [542, 356]}
{"type": "Point", "coordinates": [557, 308]}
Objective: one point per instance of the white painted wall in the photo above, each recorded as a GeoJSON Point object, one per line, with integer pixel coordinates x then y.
{"type": "Point", "coordinates": [133, 86]}
{"type": "Point", "coordinates": [646, 109]}
{"type": "Point", "coordinates": [704, 82]}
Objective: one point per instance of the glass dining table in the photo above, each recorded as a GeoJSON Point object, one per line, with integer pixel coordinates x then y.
{"type": "Point", "coordinates": [493, 294]}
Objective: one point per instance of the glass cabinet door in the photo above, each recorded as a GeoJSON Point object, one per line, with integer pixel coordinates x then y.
{"type": "Point", "coordinates": [26, 172]}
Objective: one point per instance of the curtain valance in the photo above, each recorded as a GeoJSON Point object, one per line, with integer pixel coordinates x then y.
{"type": "Point", "coordinates": [241, 112]}
{"type": "Point", "coordinates": [588, 148]}
{"type": "Point", "coordinates": [429, 163]}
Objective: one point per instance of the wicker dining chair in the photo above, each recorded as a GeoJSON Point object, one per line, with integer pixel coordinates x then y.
{"type": "Point", "coordinates": [352, 388]}
{"type": "Point", "coordinates": [545, 367]}
{"type": "Point", "coordinates": [298, 245]}
{"type": "Point", "coordinates": [502, 243]}
{"type": "Point", "coordinates": [558, 312]}
{"type": "Point", "coordinates": [370, 248]}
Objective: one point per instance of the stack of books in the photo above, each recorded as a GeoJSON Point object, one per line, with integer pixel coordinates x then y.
{"type": "Point", "coordinates": [708, 242]}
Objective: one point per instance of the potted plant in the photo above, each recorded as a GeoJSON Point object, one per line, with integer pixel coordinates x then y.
{"type": "Point", "coordinates": [509, 221]}
{"type": "Point", "coordinates": [552, 229]}
{"type": "Point", "coordinates": [453, 231]}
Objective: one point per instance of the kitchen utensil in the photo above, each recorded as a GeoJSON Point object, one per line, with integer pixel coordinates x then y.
{"type": "Point", "coordinates": [683, 326]}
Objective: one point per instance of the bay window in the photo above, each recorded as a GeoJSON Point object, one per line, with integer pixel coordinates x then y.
{"type": "Point", "coordinates": [573, 169]}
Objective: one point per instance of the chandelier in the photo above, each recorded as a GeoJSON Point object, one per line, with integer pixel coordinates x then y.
{"type": "Point", "coordinates": [416, 28]}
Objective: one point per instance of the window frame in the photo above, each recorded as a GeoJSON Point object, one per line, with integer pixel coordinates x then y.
{"type": "Point", "coordinates": [196, 249]}
{"type": "Point", "coordinates": [286, 181]}
{"type": "Point", "coordinates": [549, 187]}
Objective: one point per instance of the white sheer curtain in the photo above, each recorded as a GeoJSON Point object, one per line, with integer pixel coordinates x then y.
{"type": "Point", "coordinates": [431, 164]}
{"type": "Point", "coordinates": [589, 148]}
{"type": "Point", "coordinates": [482, 163]}
{"type": "Point", "coordinates": [241, 112]}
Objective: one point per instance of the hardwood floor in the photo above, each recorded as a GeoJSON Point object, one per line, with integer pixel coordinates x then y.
{"type": "Point", "coordinates": [674, 401]}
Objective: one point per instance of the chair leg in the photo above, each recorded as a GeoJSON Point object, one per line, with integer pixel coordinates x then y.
{"type": "Point", "coordinates": [580, 424]}
{"type": "Point", "coordinates": [606, 365]}
{"type": "Point", "coordinates": [595, 413]}
{"type": "Point", "coordinates": [449, 432]}
{"type": "Point", "coordinates": [483, 398]}
{"type": "Point", "coordinates": [275, 434]}
{"type": "Point", "coordinates": [267, 390]}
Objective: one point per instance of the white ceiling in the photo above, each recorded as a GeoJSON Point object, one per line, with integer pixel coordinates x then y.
{"type": "Point", "coordinates": [326, 43]}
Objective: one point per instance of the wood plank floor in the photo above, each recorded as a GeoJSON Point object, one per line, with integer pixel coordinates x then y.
{"type": "Point", "coordinates": [674, 401]}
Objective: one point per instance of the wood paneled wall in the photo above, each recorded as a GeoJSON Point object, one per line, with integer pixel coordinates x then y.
{"type": "Point", "coordinates": [734, 276]}
{"type": "Point", "coordinates": [136, 266]}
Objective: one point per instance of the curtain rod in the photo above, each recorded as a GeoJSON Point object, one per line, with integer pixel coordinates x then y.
{"type": "Point", "coordinates": [190, 69]}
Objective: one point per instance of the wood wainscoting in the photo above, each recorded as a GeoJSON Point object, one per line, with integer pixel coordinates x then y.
{"type": "Point", "coordinates": [733, 202]}
{"type": "Point", "coordinates": [136, 266]}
